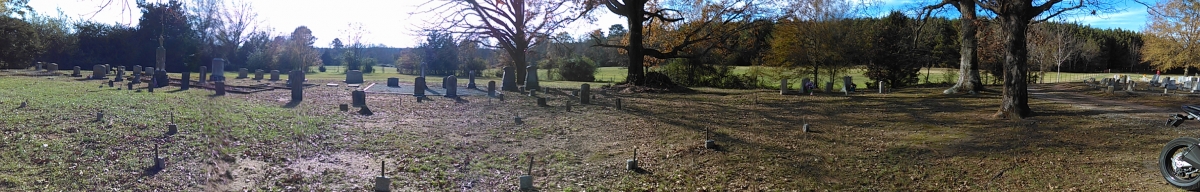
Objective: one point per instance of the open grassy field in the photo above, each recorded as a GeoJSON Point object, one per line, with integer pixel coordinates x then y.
{"type": "Point", "coordinates": [910, 140]}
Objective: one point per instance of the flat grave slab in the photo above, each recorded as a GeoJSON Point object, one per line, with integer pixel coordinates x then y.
{"type": "Point", "coordinates": [407, 89]}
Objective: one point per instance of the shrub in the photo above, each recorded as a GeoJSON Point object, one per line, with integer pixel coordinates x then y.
{"type": "Point", "coordinates": [578, 69]}
{"type": "Point", "coordinates": [685, 74]}
{"type": "Point", "coordinates": [321, 68]}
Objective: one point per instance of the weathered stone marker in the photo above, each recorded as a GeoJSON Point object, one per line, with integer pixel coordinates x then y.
{"type": "Point", "coordinates": [419, 88]}
{"type": "Point", "coordinates": [137, 70]}
{"type": "Point", "coordinates": [159, 162]}
{"type": "Point", "coordinates": [526, 181]}
{"type": "Point", "coordinates": [220, 87]}
{"type": "Point", "coordinates": [618, 102]}
{"type": "Point", "coordinates": [258, 74]}
{"type": "Point", "coordinates": [344, 107]}
{"type": "Point", "coordinates": [531, 78]}
{"type": "Point", "coordinates": [242, 73]}
{"type": "Point", "coordinates": [218, 70]}
{"type": "Point", "coordinates": [631, 164]}
{"type": "Point", "coordinates": [354, 77]}
{"type": "Point", "coordinates": [393, 82]}
{"type": "Point", "coordinates": [53, 68]}
{"type": "Point", "coordinates": [186, 81]}
{"type": "Point", "coordinates": [471, 80]}
{"type": "Point", "coordinates": [783, 87]}
{"type": "Point", "coordinates": [358, 98]}
{"type": "Point", "coordinates": [491, 89]}
{"type": "Point", "coordinates": [829, 87]}
{"type": "Point", "coordinates": [848, 84]}
{"type": "Point", "coordinates": [708, 142]}
{"type": "Point", "coordinates": [203, 74]}
{"type": "Point", "coordinates": [585, 92]}
{"type": "Point", "coordinates": [98, 72]}
{"type": "Point", "coordinates": [274, 75]}
{"type": "Point", "coordinates": [296, 79]}
{"type": "Point", "coordinates": [172, 128]}
{"type": "Point", "coordinates": [76, 73]}
{"type": "Point", "coordinates": [382, 182]}
{"type": "Point", "coordinates": [451, 84]}
{"type": "Point", "coordinates": [509, 81]}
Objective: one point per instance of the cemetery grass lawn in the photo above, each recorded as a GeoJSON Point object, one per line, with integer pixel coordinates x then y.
{"type": "Point", "coordinates": [912, 140]}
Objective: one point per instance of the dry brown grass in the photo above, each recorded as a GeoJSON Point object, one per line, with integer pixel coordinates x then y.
{"type": "Point", "coordinates": [912, 140]}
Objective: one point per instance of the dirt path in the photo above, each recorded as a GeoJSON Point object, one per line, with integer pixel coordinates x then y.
{"type": "Point", "coordinates": [1062, 94]}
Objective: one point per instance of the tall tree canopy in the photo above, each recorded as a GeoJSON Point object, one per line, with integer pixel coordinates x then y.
{"type": "Point", "coordinates": [1173, 35]}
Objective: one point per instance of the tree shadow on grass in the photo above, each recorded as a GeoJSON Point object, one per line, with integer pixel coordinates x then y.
{"type": "Point", "coordinates": [151, 171]}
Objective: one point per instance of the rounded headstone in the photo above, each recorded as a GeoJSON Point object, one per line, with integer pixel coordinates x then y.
{"type": "Point", "coordinates": [258, 74]}
{"type": "Point", "coordinates": [585, 92]}
{"type": "Point", "coordinates": [783, 86]}
{"type": "Point", "coordinates": [491, 88]}
{"type": "Point", "coordinates": [242, 73]}
{"type": "Point", "coordinates": [451, 86]}
{"type": "Point", "coordinates": [274, 75]}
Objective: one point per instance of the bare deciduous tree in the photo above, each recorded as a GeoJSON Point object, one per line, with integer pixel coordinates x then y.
{"type": "Point", "coordinates": [511, 25]}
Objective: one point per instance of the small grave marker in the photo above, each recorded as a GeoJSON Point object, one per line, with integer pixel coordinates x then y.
{"type": "Point", "coordinates": [220, 87]}
{"type": "Point", "coordinates": [358, 98]}
{"type": "Point", "coordinates": [631, 164]}
{"type": "Point", "coordinates": [541, 102]}
{"type": "Point", "coordinates": [344, 107]}
{"type": "Point", "coordinates": [526, 181]}
{"type": "Point", "coordinates": [274, 75]}
{"type": "Point", "coordinates": [708, 142]}
{"type": "Point", "coordinates": [382, 182]}
{"type": "Point", "coordinates": [393, 82]}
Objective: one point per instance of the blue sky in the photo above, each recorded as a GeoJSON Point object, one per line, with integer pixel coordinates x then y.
{"type": "Point", "coordinates": [388, 22]}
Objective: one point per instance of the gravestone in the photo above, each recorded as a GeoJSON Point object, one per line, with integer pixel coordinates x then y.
{"type": "Point", "coordinates": [98, 72]}
{"type": "Point", "coordinates": [161, 77]}
{"type": "Point", "coordinates": [848, 84]}
{"type": "Point", "coordinates": [783, 86]}
{"type": "Point", "coordinates": [829, 87]}
{"type": "Point", "coordinates": [804, 85]}
{"type": "Point", "coordinates": [149, 71]}
{"type": "Point", "coordinates": [151, 85]}
{"type": "Point", "coordinates": [491, 89]}
{"type": "Point", "coordinates": [445, 80]}
{"type": "Point", "coordinates": [1130, 86]}
{"type": "Point", "coordinates": [354, 77]}
{"type": "Point", "coordinates": [218, 70]}
{"type": "Point", "coordinates": [274, 75]}
{"type": "Point", "coordinates": [258, 74]}
{"type": "Point", "coordinates": [137, 69]}
{"type": "Point", "coordinates": [1154, 80]}
{"type": "Point", "coordinates": [1195, 88]}
{"type": "Point", "coordinates": [419, 87]}
{"type": "Point", "coordinates": [471, 80]}
{"type": "Point", "coordinates": [120, 76]}
{"type": "Point", "coordinates": [1166, 80]}
{"type": "Point", "coordinates": [220, 87]}
{"type": "Point", "coordinates": [37, 66]}
{"type": "Point", "coordinates": [509, 81]}
{"type": "Point", "coordinates": [52, 68]}
{"type": "Point", "coordinates": [1170, 84]}
{"type": "Point", "coordinates": [451, 83]}
{"type": "Point", "coordinates": [243, 73]}
{"type": "Point", "coordinates": [618, 103]}
{"type": "Point", "coordinates": [137, 78]}
{"type": "Point", "coordinates": [76, 73]}
{"type": "Point", "coordinates": [541, 102]}
{"type": "Point", "coordinates": [344, 107]}
{"type": "Point", "coordinates": [186, 81]}
{"type": "Point", "coordinates": [881, 86]}
{"type": "Point", "coordinates": [531, 78]}
{"type": "Point", "coordinates": [585, 92]}
{"type": "Point", "coordinates": [296, 79]}
{"type": "Point", "coordinates": [393, 82]}
{"type": "Point", "coordinates": [203, 74]}
{"type": "Point", "coordinates": [358, 98]}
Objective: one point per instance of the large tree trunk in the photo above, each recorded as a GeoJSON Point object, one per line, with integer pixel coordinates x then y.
{"type": "Point", "coordinates": [968, 71]}
{"type": "Point", "coordinates": [1016, 93]}
{"type": "Point", "coordinates": [635, 74]}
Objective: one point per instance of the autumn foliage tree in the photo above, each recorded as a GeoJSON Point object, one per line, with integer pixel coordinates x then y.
{"type": "Point", "coordinates": [1173, 35]}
